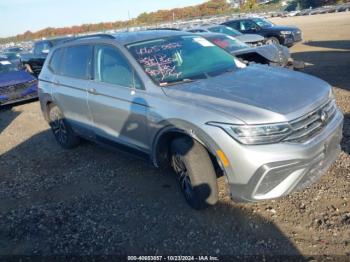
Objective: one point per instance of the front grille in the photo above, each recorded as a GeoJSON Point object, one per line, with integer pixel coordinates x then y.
{"type": "Point", "coordinates": [297, 36]}
{"type": "Point", "coordinates": [308, 126]}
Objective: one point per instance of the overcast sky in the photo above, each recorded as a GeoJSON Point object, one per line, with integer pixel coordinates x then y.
{"type": "Point", "coordinates": [18, 16]}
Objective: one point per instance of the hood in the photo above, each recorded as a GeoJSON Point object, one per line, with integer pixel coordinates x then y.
{"type": "Point", "coordinates": [255, 94]}
{"type": "Point", "coordinates": [270, 52]}
{"type": "Point", "coordinates": [250, 38]}
{"type": "Point", "coordinates": [14, 78]}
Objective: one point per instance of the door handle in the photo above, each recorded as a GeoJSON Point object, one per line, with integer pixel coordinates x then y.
{"type": "Point", "coordinates": [56, 83]}
{"type": "Point", "coordinates": [92, 91]}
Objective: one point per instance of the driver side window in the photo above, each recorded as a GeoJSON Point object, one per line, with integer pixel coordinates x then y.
{"type": "Point", "coordinates": [248, 25]}
{"type": "Point", "coordinates": [111, 67]}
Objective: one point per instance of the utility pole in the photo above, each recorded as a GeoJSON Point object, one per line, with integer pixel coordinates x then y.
{"type": "Point", "coordinates": [128, 20]}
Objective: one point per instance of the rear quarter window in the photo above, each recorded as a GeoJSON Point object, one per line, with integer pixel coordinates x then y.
{"type": "Point", "coordinates": [77, 61]}
{"type": "Point", "coordinates": [56, 61]}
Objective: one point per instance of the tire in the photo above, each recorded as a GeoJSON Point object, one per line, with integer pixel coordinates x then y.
{"type": "Point", "coordinates": [61, 129]}
{"type": "Point", "coordinates": [197, 177]}
{"type": "Point", "coordinates": [272, 40]}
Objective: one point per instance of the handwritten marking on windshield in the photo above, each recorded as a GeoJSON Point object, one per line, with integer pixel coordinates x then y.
{"type": "Point", "coordinates": [158, 60]}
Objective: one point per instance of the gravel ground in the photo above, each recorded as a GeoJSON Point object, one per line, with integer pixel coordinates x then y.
{"type": "Point", "coordinates": [94, 201]}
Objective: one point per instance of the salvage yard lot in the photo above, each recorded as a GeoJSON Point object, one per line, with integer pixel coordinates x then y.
{"type": "Point", "coordinates": [91, 200]}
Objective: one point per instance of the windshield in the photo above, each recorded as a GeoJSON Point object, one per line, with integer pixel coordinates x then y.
{"type": "Point", "coordinates": [11, 56]}
{"type": "Point", "coordinates": [263, 23]}
{"type": "Point", "coordinates": [225, 30]}
{"type": "Point", "coordinates": [7, 66]}
{"type": "Point", "coordinates": [227, 42]}
{"type": "Point", "coordinates": [181, 58]}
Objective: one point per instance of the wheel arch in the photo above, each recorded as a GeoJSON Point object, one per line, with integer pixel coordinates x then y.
{"type": "Point", "coordinates": [275, 35]}
{"type": "Point", "coordinates": [45, 102]}
{"type": "Point", "coordinates": [163, 138]}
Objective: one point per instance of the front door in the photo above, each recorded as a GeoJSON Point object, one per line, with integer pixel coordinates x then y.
{"type": "Point", "coordinates": [117, 101]}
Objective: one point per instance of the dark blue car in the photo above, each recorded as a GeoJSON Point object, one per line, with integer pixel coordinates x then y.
{"type": "Point", "coordinates": [15, 83]}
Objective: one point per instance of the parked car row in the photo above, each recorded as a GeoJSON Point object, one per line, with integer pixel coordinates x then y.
{"type": "Point", "coordinates": [314, 11]}
{"type": "Point", "coordinates": [325, 9]}
{"type": "Point", "coordinates": [181, 101]}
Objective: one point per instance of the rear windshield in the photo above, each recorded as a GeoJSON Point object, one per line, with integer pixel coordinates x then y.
{"type": "Point", "coordinates": [225, 30]}
{"type": "Point", "coordinates": [179, 58]}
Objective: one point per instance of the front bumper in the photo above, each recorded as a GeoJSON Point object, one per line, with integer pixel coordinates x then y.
{"type": "Point", "coordinates": [270, 171]}
{"type": "Point", "coordinates": [291, 39]}
{"type": "Point", "coordinates": [18, 93]}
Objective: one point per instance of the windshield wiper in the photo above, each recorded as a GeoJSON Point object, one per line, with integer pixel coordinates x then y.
{"type": "Point", "coordinates": [182, 81]}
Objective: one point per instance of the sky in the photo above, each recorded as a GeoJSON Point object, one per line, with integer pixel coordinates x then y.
{"type": "Point", "coordinates": [18, 16]}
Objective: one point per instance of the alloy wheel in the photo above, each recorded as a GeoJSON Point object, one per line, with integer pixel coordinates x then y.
{"type": "Point", "coordinates": [184, 179]}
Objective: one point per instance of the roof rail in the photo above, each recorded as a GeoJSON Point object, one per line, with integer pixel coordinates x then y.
{"type": "Point", "coordinates": [89, 36]}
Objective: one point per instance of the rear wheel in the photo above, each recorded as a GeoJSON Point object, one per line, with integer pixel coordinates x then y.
{"type": "Point", "coordinates": [61, 129]}
{"type": "Point", "coordinates": [196, 174]}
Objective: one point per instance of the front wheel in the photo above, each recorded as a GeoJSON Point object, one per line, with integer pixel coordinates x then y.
{"type": "Point", "coordinates": [196, 174]}
{"type": "Point", "coordinates": [272, 40]}
{"type": "Point", "coordinates": [61, 129]}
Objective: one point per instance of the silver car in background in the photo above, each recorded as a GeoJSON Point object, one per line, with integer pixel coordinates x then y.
{"type": "Point", "coordinates": [182, 102]}
{"type": "Point", "coordinates": [250, 39]}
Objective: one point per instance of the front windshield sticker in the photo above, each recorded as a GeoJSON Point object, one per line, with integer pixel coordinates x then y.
{"type": "Point", "coordinates": [5, 63]}
{"type": "Point", "coordinates": [157, 62]}
{"type": "Point", "coordinates": [202, 42]}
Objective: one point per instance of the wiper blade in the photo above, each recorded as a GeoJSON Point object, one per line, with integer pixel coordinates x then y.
{"type": "Point", "coordinates": [182, 81]}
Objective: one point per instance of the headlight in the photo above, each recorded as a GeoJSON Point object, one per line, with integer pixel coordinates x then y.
{"type": "Point", "coordinates": [255, 134]}
{"type": "Point", "coordinates": [286, 32]}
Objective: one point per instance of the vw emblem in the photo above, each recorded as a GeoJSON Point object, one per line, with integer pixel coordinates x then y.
{"type": "Point", "coordinates": [323, 116]}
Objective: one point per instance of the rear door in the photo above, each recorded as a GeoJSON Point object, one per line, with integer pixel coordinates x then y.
{"type": "Point", "coordinates": [117, 101]}
{"type": "Point", "coordinates": [71, 83]}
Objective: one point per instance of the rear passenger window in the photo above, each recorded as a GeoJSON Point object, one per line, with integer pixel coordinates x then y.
{"type": "Point", "coordinates": [56, 61]}
{"type": "Point", "coordinates": [113, 68]}
{"type": "Point", "coordinates": [77, 60]}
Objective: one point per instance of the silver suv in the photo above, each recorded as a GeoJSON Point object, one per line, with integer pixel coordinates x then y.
{"type": "Point", "coordinates": [182, 102]}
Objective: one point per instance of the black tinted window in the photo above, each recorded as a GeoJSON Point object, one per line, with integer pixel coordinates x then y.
{"type": "Point", "coordinates": [247, 25]}
{"type": "Point", "coordinates": [112, 67]}
{"type": "Point", "coordinates": [56, 61]}
{"type": "Point", "coordinates": [42, 47]}
{"type": "Point", "coordinates": [234, 25]}
{"type": "Point", "coordinates": [76, 61]}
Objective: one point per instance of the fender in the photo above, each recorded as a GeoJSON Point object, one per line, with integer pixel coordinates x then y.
{"type": "Point", "coordinates": [186, 128]}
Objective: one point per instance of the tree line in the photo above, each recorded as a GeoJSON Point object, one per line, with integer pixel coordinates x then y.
{"type": "Point", "coordinates": [212, 7]}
